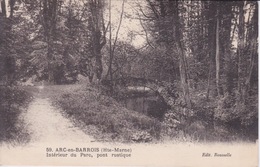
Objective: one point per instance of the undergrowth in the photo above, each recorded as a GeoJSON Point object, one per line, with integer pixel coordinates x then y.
{"type": "Point", "coordinates": [105, 119]}
{"type": "Point", "coordinates": [101, 116]}
{"type": "Point", "coordinates": [13, 101]}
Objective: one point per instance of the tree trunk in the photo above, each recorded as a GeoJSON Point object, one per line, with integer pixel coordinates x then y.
{"type": "Point", "coordinates": [217, 55]}
{"type": "Point", "coordinates": [182, 58]}
{"type": "Point", "coordinates": [49, 24]}
{"type": "Point", "coordinates": [209, 78]}
{"type": "Point", "coordinates": [184, 82]}
{"type": "Point", "coordinates": [253, 54]}
{"type": "Point", "coordinates": [3, 7]}
{"type": "Point", "coordinates": [98, 67]}
{"type": "Point", "coordinates": [50, 64]}
{"type": "Point", "coordinates": [211, 47]}
{"type": "Point", "coordinates": [226, 45]}
{"type": "Point", "coordinates": [240, 52]}
{"type": "Point", "coordinates": [11, 4]}
{"type": "Point", "coordinates": [98, 36]}
{"type": "Point", "coordinates": [6, 27]}
{"type": "Point", "coordinates": [112, 49]}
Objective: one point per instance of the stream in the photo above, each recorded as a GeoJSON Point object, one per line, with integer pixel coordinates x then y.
{"type": "Point", "coordinates": [151, 105]}
{"type": "Point", "coordinates": [146, 102]}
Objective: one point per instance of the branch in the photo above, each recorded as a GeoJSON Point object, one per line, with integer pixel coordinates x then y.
{"type": "Point", "coordinates": [149, 17]}
{"type": "Point", "coordinates": [146, 35]}
{"type": "Point", "coordinates": [234, 29]}
{"type": "Point", "coordinates": [119, 26]}
{"type": "Point", "coordinates": [153, 9]}
{"type": "Point", "coordinates": [104, 32]}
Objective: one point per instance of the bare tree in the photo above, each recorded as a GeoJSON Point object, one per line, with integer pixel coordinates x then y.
{"type": "Point", "coordinates": [113, 47]}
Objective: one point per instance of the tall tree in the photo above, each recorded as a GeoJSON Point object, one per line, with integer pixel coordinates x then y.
{"type": "Point", "coordinates": [246, 50]}
{"type": "Point", "coordinates": [182, 57]}
{"type": "Point", "coordinates": [113, 47]}
{"type": "Point", "coordinates": [98, 32]}
{"type": "Point", "coordinates": [217, 50]}
{"type": "Point", "coordinates": [165, 23]}
{"type": "Point", "coordinates": [49, 21]}
{"type": "Point", "coordinates": [7, 48]}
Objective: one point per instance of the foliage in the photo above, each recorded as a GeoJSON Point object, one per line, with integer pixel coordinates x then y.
{"type": "Point", "coordinates": [211, 57]}
{"type": "Point", "coordinates": [125, 57]}
{"type": "Point", "coordinates": [90, 108]}
{"type": "Point", "coordinates": [142, 137]}
{"type": "Point", "coordinates": [13, 101]}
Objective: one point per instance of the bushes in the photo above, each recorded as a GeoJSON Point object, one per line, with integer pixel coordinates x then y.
{"type": "Point", "coordinates": [88, 108]}
{"type": "Point", "coordinates": [105, 119]}
{"type": "Point", "coordinates": [230, 109]}
{"type": "Point", "coordinates": [12, 100]}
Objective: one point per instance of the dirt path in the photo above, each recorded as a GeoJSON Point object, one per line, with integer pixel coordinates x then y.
{"type": "Point", "coordinates": [46, 124]}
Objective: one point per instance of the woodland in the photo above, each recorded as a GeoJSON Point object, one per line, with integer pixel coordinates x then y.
{"type": "Point", "coordinates": [199, 57]}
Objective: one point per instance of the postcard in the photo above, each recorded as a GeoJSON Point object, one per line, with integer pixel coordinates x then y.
{"type": "Point", "coordinates": [128, 83]}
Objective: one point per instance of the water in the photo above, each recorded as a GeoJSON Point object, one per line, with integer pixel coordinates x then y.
{"type": "Point", "coordinates": [203, 129]}
{"type": "Point", "coordinates": [150, 105]}
{"type": "Point", "coordinates": [202, 126]}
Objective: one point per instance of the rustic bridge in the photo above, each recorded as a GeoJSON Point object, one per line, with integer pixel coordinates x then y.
{"type": "Point", "coordinates": [166, 90]}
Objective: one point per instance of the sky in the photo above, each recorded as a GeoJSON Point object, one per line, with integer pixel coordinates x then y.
{"type": "Point", "coordinates": [128, 24]}
{"type": "Point", "coordinates": [7, 9]}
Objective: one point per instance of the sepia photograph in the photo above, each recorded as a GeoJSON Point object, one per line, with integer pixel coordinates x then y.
{"type": "Point", "coordinates": [129, 83]}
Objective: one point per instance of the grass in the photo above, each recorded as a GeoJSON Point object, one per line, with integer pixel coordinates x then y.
{"type": "Point", "coordinates": [102, 117]}
{"type": "Point", "coordinates": [13, 101]}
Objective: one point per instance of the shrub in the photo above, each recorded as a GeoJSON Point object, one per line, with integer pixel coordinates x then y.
{"type": "Point", "coordinates": [12, 102]}
{"type": "Point", "coordinates": [142, 137]}
{"type": "Point", "coordinates": [89, 107]}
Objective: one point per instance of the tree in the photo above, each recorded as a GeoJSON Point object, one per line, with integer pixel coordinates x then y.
{"type": "Point", "coordinates": [156, 19]}
{"type": "Point", "coordinates": [168, 21]}
{"type": "Point", "coordinates": [182, 56]}
{"type": "Point", "coordinates": [98, 30]}
{"type": "Point", "coordinates": [112, 48]}
{"type": "Point", "coordinates": [217, 52]}
{"type": "Point", "coordinates": [54, 39]}
{"type": "Point", "coordinates": [49, 21]}
{"type": "Point", "coordinates": [246, 53]}
{"type": "Point", "coordinates": [7, 49]}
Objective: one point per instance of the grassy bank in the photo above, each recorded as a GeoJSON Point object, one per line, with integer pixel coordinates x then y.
{"type": "Point", "coordinates": [13, 101]}
{"type": "Point", "coordinates": [102, 117]}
